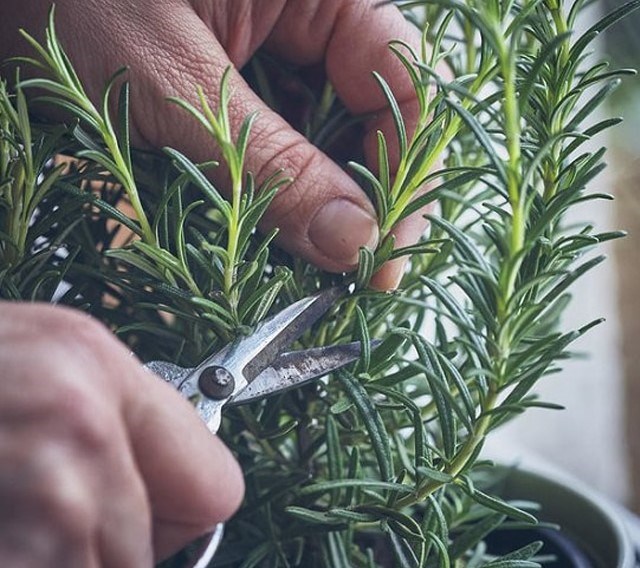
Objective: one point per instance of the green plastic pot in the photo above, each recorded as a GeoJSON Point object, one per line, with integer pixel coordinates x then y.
{"type": "Point", "coordinates": [593, 531]}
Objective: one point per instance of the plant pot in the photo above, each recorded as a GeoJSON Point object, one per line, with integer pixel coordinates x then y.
{"type": "Point", "coordinates": [592, 532]}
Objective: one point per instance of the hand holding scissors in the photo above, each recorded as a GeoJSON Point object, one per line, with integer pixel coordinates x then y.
{"type": "Point", "coordinates": [254, 367]}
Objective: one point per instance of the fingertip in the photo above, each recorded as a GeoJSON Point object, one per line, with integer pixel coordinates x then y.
{"type": "Point", "coordinates": [227, 500]}
{"type": "Point", "coordinates": [406, 233]}
{"type": "Point", "coordinates": [190, 475]}
{"type": "Point", "coordinates": [323, 216]}
{"type": "Point", "coordinates": [172, 533]}
{"type": "Point", "coordinates": [389, 277]}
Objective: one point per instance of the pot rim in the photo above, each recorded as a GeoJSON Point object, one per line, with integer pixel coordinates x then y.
{"type": "Point", "coordinates": [558, 481]}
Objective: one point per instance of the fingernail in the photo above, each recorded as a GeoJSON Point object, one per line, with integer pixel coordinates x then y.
{"type": "Point", "coordinates": [340, 228]}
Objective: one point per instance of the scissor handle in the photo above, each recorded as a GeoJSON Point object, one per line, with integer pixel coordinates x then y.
{"type": "Point", "coordinates": [200, 552]}
{"type": "Point", "coordinates": [213, 541]}
{"type": "Point", "coordinates": [203, 549]}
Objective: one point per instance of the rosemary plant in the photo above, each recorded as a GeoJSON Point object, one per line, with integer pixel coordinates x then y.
{"type": "Point", "coordinates": [379, 465]}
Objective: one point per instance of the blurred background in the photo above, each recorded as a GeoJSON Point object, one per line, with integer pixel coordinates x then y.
{"type": "Point", "coordinates": [597, 437]}
{"type": "Point", "coordinates": [622, 44]}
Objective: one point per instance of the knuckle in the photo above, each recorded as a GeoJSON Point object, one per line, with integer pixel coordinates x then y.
{"type": "Point", "coordinates": [87, 425]}
{"type": "Point", "coordinates": [66, 353]}
{"type": "Point", "coordinates": [286, 151]}
{"type": "Point", "coordinates": [70, 330]}
{"type": "Point", "coordinates": [71, 514]}
{"type": "Point", "coordinates": [62, 499]}
{"type": "Point", "coordinates": [84, 332]}
{"type": "Point", "coordinates": [74, 416]}
{"type": "Point", "coordinates": [77, 342]}
{"type": "Point", "coordinates": [297, 160]}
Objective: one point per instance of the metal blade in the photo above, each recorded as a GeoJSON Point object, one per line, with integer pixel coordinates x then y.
{"type": "Point", "coordinates": [273, 336]}
{"type": "Point", "coordinates": [290, 370]}
{"type": "Point", "coordinates": [170, 372]}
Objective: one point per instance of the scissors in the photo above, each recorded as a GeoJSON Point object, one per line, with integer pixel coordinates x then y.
{"type": "Point", "coordinates": [251, 368]}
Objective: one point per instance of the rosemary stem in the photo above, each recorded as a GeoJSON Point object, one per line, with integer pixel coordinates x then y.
{"type": "Point", "coordinates": [461, 460]}
{"type": "Point", "coordinates": [550, 182]}
{"type": "Point", "coordinates": [515, 192]}
{"type": "Point", "coordinates": [404, 190]}
{"type": "Point", "coordinates": [230, 270]}
{"type": "Point", "coordinates": [128, 182]}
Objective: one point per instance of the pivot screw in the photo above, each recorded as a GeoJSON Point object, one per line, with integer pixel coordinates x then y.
{"type": "Point", "coordinates": [216, 383]}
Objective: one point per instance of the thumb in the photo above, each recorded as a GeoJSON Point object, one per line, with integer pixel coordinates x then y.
{"type": "Point", "coordinates": [322, 215]}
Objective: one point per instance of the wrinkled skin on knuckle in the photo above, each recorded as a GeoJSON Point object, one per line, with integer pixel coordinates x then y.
{"type": "Point", "coordinates": [298, 162]}
{"type": "Point", "coordinates": [280, 149]}
{"type": "Point", "coordinates": [42, 487]}
{"type": "Point", "coordinates": [64, 499]}
{"type": "Point", "coordinates": [173, 67]}
{"type": "Point", "coordinates": [240, 26]}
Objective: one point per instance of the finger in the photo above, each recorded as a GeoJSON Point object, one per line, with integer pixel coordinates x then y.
{"type": "Point", "coordinates": [191, 477]}
{"type": "Point", "coordinates": [124, 537]}
{"type": "Point", "coordinates": [72, 482]}
{"type": "Point", "coordinates": [354, 37]}
{"type": "Point", "coordinates": [71, 470]}
{"type": "Point", "coordinates": [406, 233]}
{"type": "Point", "coordinates": [378, 25]}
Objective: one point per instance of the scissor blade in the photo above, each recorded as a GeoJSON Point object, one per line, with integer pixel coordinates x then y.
{"type": "Point", "coordinates": [273, 336]}
{"type": "Point", "coordinates": [170, 372]}
{"type": "Point", "coordinates": [290, 370]}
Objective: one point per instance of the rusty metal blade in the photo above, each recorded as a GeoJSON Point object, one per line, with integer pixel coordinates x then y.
{"type": "Point", "coordinates": [296, 368]}
{"type": "Point", "coordinates": [273, 336]}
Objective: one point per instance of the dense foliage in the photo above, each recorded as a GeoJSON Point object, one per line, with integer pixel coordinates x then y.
{"type": "Point", "coordinates": [379, 464]}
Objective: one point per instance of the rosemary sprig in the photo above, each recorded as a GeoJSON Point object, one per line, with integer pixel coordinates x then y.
{"type": "Point", "coordinates": [66, 91]}
{"type": "Point", "coordinates": [247, 206]}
